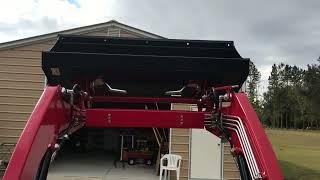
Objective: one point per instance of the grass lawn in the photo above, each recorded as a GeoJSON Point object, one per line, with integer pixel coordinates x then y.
{"type": "Point", "coordinates": [298, 153]}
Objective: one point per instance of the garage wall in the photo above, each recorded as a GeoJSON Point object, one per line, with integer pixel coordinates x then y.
{"type": "Point", "coordinates": [115, 32]}
{"type": "Point", "coordinates": [21, 84]}
{"type": "Point", "coordinates": [180, 143]}
{"type": "Point", "coordinates": [22, 81]}
{"type": "Point", "coordinates": [230, 169]}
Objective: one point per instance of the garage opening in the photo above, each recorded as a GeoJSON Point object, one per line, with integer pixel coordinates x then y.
{"type": "Point", "coordinates": [111, 153]}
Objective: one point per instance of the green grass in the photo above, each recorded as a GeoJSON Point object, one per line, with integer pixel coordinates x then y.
{"type": "Point", "coordinates": [298, 153]}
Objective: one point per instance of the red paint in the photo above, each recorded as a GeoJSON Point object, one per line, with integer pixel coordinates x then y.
{"type": "Point", "coordinates": [226, 88]}
{"type": "Point", "coordinates": [144, 99]}
{"type": "Point", "coordinates": [50, 115]}
{"type": "Point", "coordinates": [144, 118]}
{"type": "Point", "coordinates": [136, 155]}
{"type": "Point", "coordinates": [262, 149]}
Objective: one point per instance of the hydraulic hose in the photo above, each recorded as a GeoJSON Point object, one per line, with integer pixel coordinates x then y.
{"type": "Point", "coordinates": [42, 172]}
{"type": "Point", "coordinates": [243, 167]}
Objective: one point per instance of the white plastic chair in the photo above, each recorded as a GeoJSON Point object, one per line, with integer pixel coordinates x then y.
{"type": "Point", "coordinates": [173, 164]}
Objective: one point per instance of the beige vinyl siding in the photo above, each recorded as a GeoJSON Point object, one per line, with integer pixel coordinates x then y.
{"type": "Point", "coordinates": [25, 61]}
{"type": "Point", "coordinates": [97, 34]}
{"type": "Point", "coordinates": [10, 94]}
{"type": "Point", "coordinates": [230, 169]}
{"type": "Point", "coordinates": [21, 84]}
{"type": "Point", "coordinates": [12, 131]}
{"type": "Point", "coordinates": [102, 32]}
{"type": "Point", "coordinates": [128, 34]}
{"type": "Point", "coordinates": [21, 77]}
{"type": "Point", "coordinates": [9, 139]}
{"type": "Point", "coordinates": [8, 106]}
{"type": "Point", "coordinates": [44, 46]}
{"type": "Point", "coordinates": [109, 31]}
{"type": "Point", "coordinates": [180, 144]}
{"type": "Point", "coordinates": [20, 54]}
{"type": "Point", "coordinates": [114, 31]}
{"type": "Point", "coordinates": [12, 123]}
{"type": "Point", "coordinates": [20, 69]}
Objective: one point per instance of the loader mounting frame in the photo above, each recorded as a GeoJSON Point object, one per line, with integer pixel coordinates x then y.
{"type": "Point", "coordinates": [55, 118]}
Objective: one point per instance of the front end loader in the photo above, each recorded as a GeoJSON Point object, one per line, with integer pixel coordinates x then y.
{"type": "Point", "coordinates": [120, 82]}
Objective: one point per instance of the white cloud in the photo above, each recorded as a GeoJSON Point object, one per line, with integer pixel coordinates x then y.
{"type": "Point", "coordinates": [26, 18]}
{"type": "Point", "coordinates": [265, 71]}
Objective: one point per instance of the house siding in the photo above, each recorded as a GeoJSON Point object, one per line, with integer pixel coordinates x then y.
{"type": "Point", "coordinates": [21, 84]}
{"type": "Point", "coordinates": [230, 169]}
{"type": "Point", "coordinates": [180, 144]}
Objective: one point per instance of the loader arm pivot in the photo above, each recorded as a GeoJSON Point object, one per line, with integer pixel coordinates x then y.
{"type": "Point", "coordinates": [118, 82]}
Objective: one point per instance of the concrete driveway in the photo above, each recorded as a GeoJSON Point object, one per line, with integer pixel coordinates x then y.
{"type": "Point", "coordinates": [97, 166]}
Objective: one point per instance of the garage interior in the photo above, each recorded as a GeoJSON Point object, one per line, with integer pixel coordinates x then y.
{"type": "Point", "coordinates": [111, 153]}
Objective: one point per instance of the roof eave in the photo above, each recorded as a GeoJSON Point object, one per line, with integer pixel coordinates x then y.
{"type": "Point", "coordinates": [79, 30]}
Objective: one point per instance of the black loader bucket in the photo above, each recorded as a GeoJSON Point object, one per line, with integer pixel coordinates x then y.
{"type": "Point", "coordinates": [148, 67]}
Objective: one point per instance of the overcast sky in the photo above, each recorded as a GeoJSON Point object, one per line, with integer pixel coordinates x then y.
{"type": "Point", "coordinates": [266, 31]}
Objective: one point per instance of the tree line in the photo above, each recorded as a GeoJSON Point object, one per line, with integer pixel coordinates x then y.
{"type": "Point", "coordinates": [292, 99]}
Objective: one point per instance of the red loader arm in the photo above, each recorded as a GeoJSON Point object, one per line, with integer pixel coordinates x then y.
{"type": "Point", "coordinates": [249, 140]}
{"type": "Point", "coordinates": [48, 120]}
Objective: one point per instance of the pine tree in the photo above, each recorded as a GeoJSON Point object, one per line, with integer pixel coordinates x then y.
{"type": "Point", "coordinates": [252, 86]}
{"type": "Point", "coordinates": [272, 94]}
{"type": "Point", "coordinates": [252, 82]}
{"type": "Point", "coordinates": [292, 99]}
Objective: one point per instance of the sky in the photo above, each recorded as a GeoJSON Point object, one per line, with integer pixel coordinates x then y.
{"type": "Point", "coordinates": [266, 31]}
